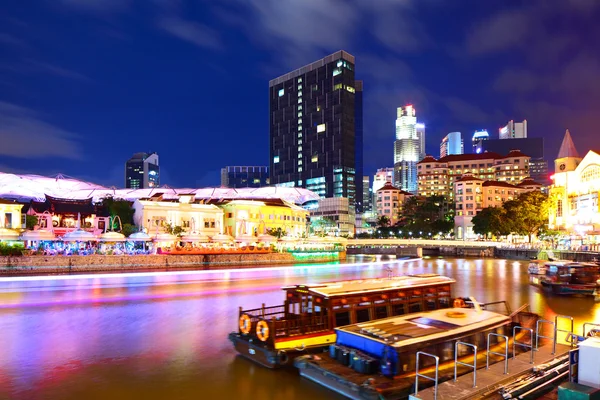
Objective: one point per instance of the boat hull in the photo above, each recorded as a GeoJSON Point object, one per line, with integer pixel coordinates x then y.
{"type": "Point", "coordinates": [566, 289]}
{"type": "Point", "coordinates": [268, 357]}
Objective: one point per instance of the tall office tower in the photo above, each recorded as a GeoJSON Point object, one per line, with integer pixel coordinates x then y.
{"type": "Point", "coordinates": [513, 130]}
{"type": "Point", "coordinates": [478, 137]}
{"type": "Point", "coordinates": [313, 128]}
{"type": "Point", "coordinates": [241, 177]}
{"type": "Point", "coordinates": [142, 171]}
{"type": "Point", "coordinates": [451, 144]}
{"type": "Point", "coordinates": [358, 145]}
{"type": "Point", "coordinates": [366, 193]}
{"type": "Point", "coordinates": [409, 148]}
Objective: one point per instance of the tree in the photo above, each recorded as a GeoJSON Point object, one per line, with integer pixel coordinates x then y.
{"type": "Point", "coordinates": [31, 221]}
{"type": "Point", "coordinates": [491, 220]}
{"type": "Point", "coordinates": [278, 233]}
{"type": "Point", "coordinates": [128, 229]}
{"type": "Point", "coordinates": [121, 208]}
{"type": "Point", "coordinates": [383, 221]}
{"type": "Point", "coordinates": [174, 229]}
{"type": "Point", "coordinates": [533, 212]}
{"type": "Point", "coordinates": [527, 214]}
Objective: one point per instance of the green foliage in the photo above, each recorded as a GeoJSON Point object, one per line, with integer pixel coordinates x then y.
{"type": "Point", "coordinates": [383, 221]}
{"type": "Point", "coordinates": [128, 229]}
{"type": "Point", "coordinates": [174, 229]}
{"type": "Point", "coordinates": [525, 215]}
{"type": "Point", "coordinates": [30, 221]}
{"type": "Point", "coordinates": [426, 217]}
{"type": "Point", "coordinates": [491, 221]}
{"type": "Point", "coordinates": [11, 249]}
{"type": "Point", "coordinates": [278, 233]}
{"type": "Point", "coordinates": [121, 208]}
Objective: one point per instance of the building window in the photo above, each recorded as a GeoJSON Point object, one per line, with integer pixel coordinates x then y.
{"type": "Point", "coordinates": [320, 128]}
{"type": "Point", "coordinates": [315, 158]}
{"type": "Point", "coordinates": [299, 80]}
{"type": "Point", "coordinates": [350, 89]}
{"type": "Point", "coordinates": [318, 108]}
{"type": "Point", "coordinates": [275, 159]}
{"type": "Point", "coordinates": [338, 86]}
{"type": "Point", "coordinates": [299, 169]}
{"type": "Point", "coordinates": [337, 71]}
{"type": "Point", "coordinates": [299, 115]}
{"type": "Point", "coordinates": [299, 87]}
{"type": "Point", "coordinates": [559, 208]}
{"type": "Point", "coordinates": [300, 100]}
{"type": "Point", "coordinates": [281, 92]}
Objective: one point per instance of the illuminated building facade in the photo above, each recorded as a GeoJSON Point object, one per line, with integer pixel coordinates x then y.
{"type": "Point", "coordinates": [451, 144]}
{"type": "Point", "coordinates": [333, 216]}
{"type": "Point", "coordinates": [437, 177]}
{"type": "Point", "coordinates": [409, 148]}
{"type": "Point", "coordinates": [478, 137]}
{"type": "Point", "coordinates": [315, 127]}
{"type": "Point", "coordinates": [10, 215]}
{"type": "Point", "coordinates": [142, 171]}
{"type": "Point", "coordinates": [246, 176]}
{"type": "Point", "coordinates": [390, 201]}
{"type": "Point", "coordinates": [472, 195]}
{"type": "Point", "coordinates": [574, 194]}
{"type": "Point", "coordinates": [513, 130]}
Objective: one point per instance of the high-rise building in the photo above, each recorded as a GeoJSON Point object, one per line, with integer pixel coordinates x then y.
{"type": "Point", "coordinates": [409, 148]}
{"type": "Point", "coordinates": [366, 200]}
{"type": "Point", "coordinates": [513, 130]}
{"type": "Point", "coordinates": [240, 177]}
{"type": "Point", "coordinates": [478, 137]}
{"type": "Point", "coordinates": [451, 144]}
{"type": "Point", "coordinates": [142, 171]}
{"type": "Point", "coordinates": [381, 177]}
{"type": "Point", "coordinates": [316, 127]}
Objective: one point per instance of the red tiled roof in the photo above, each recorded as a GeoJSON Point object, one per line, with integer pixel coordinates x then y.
{"type": "Point", "coordinates": [428, 159]}
{"type": "Point", "coordinates": [529, 182]}
{"type": "Point", "coordinates": [500, 184]}
{"type": "Point", "coordinates": [515, 153]}
{"type": "Point", "coordinates": [468, 157]}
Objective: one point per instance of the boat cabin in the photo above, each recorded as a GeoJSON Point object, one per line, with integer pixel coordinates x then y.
{"type": "Point", "coordinates": [392, 343]}
{"type": "Point", "coordinates": [318, 308]}
{"type": "Point", "coordinates": [573, 273]}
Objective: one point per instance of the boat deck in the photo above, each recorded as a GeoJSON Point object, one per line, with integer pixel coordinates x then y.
{"type": "Point", "coordinates": [489, 381]}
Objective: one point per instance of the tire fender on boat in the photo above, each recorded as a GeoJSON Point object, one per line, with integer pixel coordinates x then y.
{"type": "Point", "coordinates": [262, 330]}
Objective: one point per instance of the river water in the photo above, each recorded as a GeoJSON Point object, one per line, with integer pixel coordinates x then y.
{"type": "Point", "coordinates": [164, 335]}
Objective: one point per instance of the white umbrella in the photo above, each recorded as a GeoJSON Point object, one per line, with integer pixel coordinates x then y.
{"type": "Point", "coordinates": [139, 237]}
{"type": "Point", "coordinates": [194, 237]}
{"type": "Point", "coordinates": [266, 238]}
{"type": "Point", "coordinates": [8, 234]}
{"type": "Point", "coordinates": [40, 234]}
{"type": "Point", "coordinates": [79, 235]}
{"type": "Point", "coordinates": [221, 237]}
{"type": "Point", "coordinates": [112, 237]}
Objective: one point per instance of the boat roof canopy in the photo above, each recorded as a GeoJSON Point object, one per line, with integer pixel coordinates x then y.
{"type": "Point", "coordinates": [350, 287]}
{"type": "Point", "coordinates": [413, 328]}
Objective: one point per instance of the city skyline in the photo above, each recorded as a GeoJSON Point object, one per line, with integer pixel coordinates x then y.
{"type": "Point", "coordinates": [88, 83]}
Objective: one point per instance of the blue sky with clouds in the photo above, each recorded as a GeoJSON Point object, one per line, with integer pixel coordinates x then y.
{"type": "Point", "coordinates": [86, 83]}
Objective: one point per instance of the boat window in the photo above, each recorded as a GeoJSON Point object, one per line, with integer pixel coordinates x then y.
{"type": "Point", "coordinates": [362, 315]}
{"type": "Point", "coordinates": [415, 307]}
{"type": "Point", "coordinates": [342, 318]}
{"type": "Point", "coordinates": [381, 312]}
{"type": "Point", "coordinates": [398, 309]}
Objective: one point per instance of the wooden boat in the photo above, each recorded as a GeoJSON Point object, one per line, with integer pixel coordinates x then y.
{"type": "Point", "coordinates": [572, 278]}
{"type": "Point", "coordinates": [305, 322]}
{"type": "Point", "coordinates": [377, 360]}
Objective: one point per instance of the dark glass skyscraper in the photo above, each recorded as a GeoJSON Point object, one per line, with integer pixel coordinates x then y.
{"type": "Point", "coordinates": [142, 171]}
{"type": "Point", "coordinates": [316, 128]}
{"type": "Point", "coordinates": [244, 177]}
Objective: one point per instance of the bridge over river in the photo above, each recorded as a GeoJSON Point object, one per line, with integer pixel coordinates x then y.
{"type": "Point", "coordinates": [420, 247]}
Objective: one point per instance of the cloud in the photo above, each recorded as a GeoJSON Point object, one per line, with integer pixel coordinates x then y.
{"type": "Point", "coordinates": [193, 32]}
{"type": "Point", "coordinates": [24, 135]}
{"type": "Point", "coordinates": [500, 32]}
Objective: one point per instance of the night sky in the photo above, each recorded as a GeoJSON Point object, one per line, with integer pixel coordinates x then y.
{"type": "Point", "coordinates": [86, 83]}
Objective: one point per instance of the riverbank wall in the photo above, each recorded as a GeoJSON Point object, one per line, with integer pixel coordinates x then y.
{"type": "Point", "coordinates": [532, 254]}
{"type": "Point", "coordinates": [24, 265]}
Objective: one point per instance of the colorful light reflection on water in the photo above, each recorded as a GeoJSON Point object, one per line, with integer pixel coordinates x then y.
{"type": "Point", "coordinates": [163, 335]}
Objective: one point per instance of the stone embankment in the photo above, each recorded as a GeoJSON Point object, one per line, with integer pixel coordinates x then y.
{"type": "Point", "coordinates": [22, 265]}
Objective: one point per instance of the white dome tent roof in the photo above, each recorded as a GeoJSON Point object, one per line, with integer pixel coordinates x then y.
{"type": "Point", "coordinates": [25, 188]}
{"type": "Point", "coordinates": [37, 235]}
